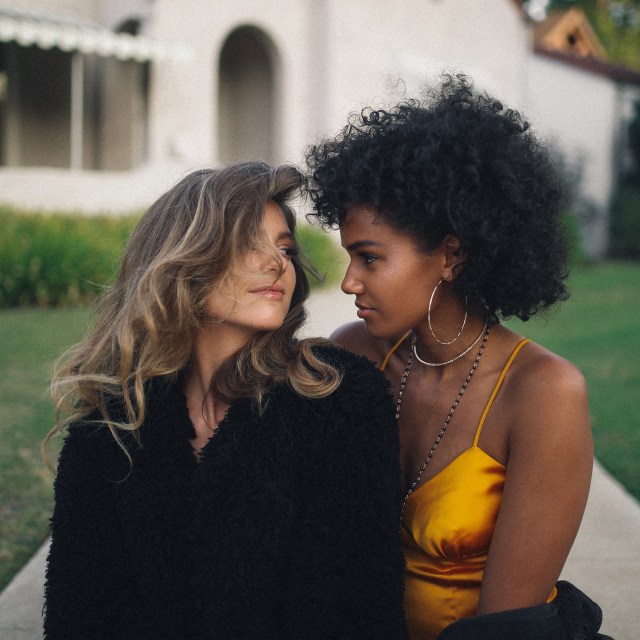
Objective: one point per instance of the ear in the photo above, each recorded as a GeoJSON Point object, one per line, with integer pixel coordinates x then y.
{"type": "Point", "coordinates": [454, 257]}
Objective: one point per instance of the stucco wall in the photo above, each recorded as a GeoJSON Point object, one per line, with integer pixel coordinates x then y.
{"type": "Point", "coordinates": [332, 58]}
{"type": "Point", "coordinates": [184, 94]}
{"type": "Point", "coordinates": [417, 39]}
{"type": "Point", "coordinates": [577, 111]}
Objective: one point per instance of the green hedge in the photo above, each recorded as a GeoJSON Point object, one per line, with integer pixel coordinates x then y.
{"type": "Point", "coordinates": [58, 259]}
{"type": "Point", "coordinates": [65, 259]}
{"type": "Point", "coordinates": [577, 254]}
{"type": "Point", "coordinates": [625, 221]}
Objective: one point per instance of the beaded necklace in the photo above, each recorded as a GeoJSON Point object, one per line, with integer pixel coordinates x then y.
{"type": "Point", "coordinates": [456, 402]}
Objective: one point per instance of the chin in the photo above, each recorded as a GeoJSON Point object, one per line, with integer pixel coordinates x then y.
{"type": "Point", "coordinates": [385, 332]}
{"type": "Point", "coordinates": [272, 325]}
{"type": "Point", "coordinates": [376, 331]}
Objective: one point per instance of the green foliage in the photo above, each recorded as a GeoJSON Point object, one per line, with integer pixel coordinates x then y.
{"type": "Point", "coordinates": [65, 259]}
{"type": "Point", "coordinates": [323, 252]}
{"type": "Point", "coordinates": [579, 210]}
{"type": "Point", "coordinates": [625, 208]}
{"type": "Point", "coordinates": [634, 137]}
{"type": "Point", "coordinates": [577, 254]}
{"type": "Point", "coordinates": [58, 259]}
{"type": "Point", "coordinates": [625, 220]}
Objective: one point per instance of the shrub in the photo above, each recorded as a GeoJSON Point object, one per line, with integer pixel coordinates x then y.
{"type": "Point", "coordinates": [634, 137]}
{"type": "Point", "coordinates": [625, 221]}
{"type": "Point", "coordinates": [66, 259]}
{"type": "Point", "coordinates": [577, 254]}
{"type": "Point", "coordinates": [625, 208]}
{"type": "Point", "coordinates": [58, 259]}
{"type": "Point", "coordinates": [579, 210]}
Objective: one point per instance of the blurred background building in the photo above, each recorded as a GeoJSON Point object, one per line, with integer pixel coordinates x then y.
{"type": "Point", "coordinates": [106, 103]}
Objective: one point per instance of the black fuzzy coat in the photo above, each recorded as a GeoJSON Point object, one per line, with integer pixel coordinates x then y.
{"type": "Point", "coordinates": [287, 528]}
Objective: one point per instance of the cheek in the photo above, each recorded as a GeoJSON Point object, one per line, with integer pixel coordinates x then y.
{"type": "Point", "coordinates": [290, 278]}
{"type": "Point", "coordinates": [219, 305]}
{"type": "Point", "coordinates": [412, 281]}
{"type": "Point", "coordinates": [405, 276]}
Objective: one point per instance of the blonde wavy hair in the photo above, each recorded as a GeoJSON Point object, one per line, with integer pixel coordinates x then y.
{"type": "Point", "coordinates": [189, 242]}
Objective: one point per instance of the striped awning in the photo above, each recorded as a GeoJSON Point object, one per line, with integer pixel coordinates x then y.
{"type": "Point", "coordinates": [47, 30]}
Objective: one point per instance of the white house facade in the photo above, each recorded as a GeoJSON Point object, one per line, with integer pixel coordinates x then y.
{"type": "Point", "coordinates": [106, 103]}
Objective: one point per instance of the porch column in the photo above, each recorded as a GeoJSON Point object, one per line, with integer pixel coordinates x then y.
{"type": "Point", "coordinates": [77, 109]}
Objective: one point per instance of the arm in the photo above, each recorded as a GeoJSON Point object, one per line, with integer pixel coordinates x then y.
{"type": "Point", "coordinates": [86, 594]}
{"type": "Point", "coordinates": [546, 486]}
{"type": "Point", "coordinates": [347, 565]}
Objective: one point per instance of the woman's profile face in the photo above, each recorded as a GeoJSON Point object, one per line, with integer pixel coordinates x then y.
{"type": "Point", "coordinates": [258, 297]}
{"type": "Point", "coordinates": [391, 277]}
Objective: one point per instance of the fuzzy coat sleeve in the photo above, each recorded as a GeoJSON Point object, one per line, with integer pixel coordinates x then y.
{"type": "Point", "coordinates": [87, 564]}
{"type": "Point", "coordinates": [347, 572]}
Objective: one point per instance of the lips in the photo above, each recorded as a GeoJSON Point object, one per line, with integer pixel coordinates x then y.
{"type": "Point", "coordinates": [272, 291]}
{"type": "Point", "coordinates": [363, 311]}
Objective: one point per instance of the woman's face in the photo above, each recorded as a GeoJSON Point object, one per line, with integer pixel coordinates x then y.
{"type": "Point", "coordinates": [390, 276]}
{"type": "Point", "coordinates": [255, 298]}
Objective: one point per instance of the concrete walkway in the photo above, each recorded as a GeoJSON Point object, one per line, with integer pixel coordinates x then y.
{"type": "Point", "coordinates": [604, 561]}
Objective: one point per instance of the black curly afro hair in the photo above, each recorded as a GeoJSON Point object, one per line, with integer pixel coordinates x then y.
{"type": "Point", "coordinates": [455, 163]}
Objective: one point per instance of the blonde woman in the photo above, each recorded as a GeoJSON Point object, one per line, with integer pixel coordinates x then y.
{"type": "Point", "coordinates": [220, 478]}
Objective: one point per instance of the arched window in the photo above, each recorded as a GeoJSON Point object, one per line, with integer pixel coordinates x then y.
{"type": "Point", "coordinates": [246, 97]}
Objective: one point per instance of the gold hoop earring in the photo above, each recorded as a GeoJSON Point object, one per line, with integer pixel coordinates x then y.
{"type": "Point", "coordinates": [464, 321]}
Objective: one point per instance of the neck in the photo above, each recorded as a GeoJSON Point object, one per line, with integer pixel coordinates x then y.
{"type": "Point", "coordinates": [213, 345]}
{"type": "Point", "coordinates": [429, 350]}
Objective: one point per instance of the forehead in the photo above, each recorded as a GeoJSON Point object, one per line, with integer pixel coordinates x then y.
{"type": "Point", "coordinates": [364, 224]}
{"type": "Point", "coordinates": [274, 220]}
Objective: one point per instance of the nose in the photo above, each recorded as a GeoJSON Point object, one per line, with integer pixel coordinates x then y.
{"type": "Point", "coordinates": [350, 284]}
{"type": "Point", "coordinates": [276, 265]}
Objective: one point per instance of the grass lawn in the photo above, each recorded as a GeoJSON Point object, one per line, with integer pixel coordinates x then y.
{"type": "Point", "coordinates": [31, 341]}
{"type": "Point", "coordinates": [598, 329]}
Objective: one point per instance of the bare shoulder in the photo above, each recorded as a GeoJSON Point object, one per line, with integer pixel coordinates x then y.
{"type": "Point", "coordinates": [546, 374]}
{"type": "Point", "coordinates": [353, 336]}
{"type": "Point", "coordinates": [550, 394]}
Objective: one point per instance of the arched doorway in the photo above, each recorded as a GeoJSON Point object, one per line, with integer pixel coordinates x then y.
{"type": "Point", "coordinates": [246, 97]}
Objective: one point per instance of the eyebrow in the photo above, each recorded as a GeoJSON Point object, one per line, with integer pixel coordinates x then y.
{"type": "Point", "coordinates": [354, 246]}
{"type": "Point", "coordinates": [284, 235]}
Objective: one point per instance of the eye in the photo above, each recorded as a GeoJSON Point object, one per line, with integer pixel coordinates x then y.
{"type": "Point", "coordinates": [289, 251]}
{"type": "Point", "coordinates": [368, 258]}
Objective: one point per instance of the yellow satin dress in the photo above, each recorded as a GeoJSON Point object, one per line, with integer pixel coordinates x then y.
{"type": "Point", "coordinates": [446, 531]}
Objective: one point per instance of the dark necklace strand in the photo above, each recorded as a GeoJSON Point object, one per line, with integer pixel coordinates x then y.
{"type": "Point", "coordinates": [443, 429]}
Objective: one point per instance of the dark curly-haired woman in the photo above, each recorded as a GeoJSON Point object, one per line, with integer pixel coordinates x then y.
{"type": "Point", "coordinates": [449, 210]}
